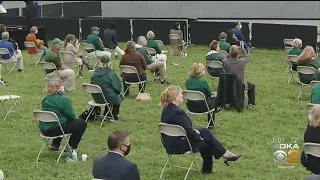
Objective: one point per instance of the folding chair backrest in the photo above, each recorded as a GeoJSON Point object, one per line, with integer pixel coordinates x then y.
{"type": "Point", "coordinates": [29, 44]}
{"type": "Point", "coordinates": [128, 69]}
{"type": "Point", "coordinates": [287, 42]}
{"type": "Point", "coordinates": [48, 65]}
{"type": "Point", "coordinates": [312, 149]}
{"type": "Point", "coordinates": [88, 47]}
{"type": "Point", "coordinates": [151, 51]}
{"type": "Point", "coordinates": [175, 40]}
{"type": "Point", "coordinates": [193, 95]}
{"type": "Point", "coordinates": [224, 53]}
{"type": "Point", "coordinates": [160, 43]}
{"type": "Point", "coordinates": [306, 70]}
{"type": "Point", "coordinates": [293, 58]}
{"type": "Point", "coordinates": [69, 59]}
{"type": "Point", "coordinates": [287, 49]}
{"type": "Point", "coordinates": [313, 83]}
{"type": "Point", "coordinates": [45, 116]}
{"type": "Point", "coordinates": [309, 106]}
{"type": "Point", "coordinates": [171, 130]}
{"type": "Point", "coordinates": [93, 89]}
{"type": "Point", "coordinates": [214, 64]}
{"type": "Point", "coordinates": [4, 51]}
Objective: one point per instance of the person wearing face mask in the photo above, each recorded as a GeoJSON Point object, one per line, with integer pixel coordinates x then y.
{"type": "Point", "coordinates": [238, 33]}
{"type": "Point", "coordinates": [196, 82]}
{"type": "Point", "coordinates": [95, 40]}
{"type": "Point", "coordinates": [113, 165]}
{"type": "Point", "coordinates": [57, 102]}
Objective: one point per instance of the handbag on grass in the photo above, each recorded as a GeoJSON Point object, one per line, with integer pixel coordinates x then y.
{"type": "Point", "coordinates": [143, 97]}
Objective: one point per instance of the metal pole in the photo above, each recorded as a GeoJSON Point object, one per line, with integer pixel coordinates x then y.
{"type": "Point", "coordinates": [131, 29]}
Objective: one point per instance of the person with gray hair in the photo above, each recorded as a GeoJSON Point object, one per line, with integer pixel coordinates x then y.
{"type": "Point", "coordinates": [152, 64]}
{"type": "Point", "coordinates": [296, 50]}
{"type": "Point", "coordinates": [153, 44]}
{"type": "Point", "coordinates": [14, 55]}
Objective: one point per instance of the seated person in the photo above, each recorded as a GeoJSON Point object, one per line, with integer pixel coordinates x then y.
{"type": "Point", "coordinates": [66, 74]}
{"type": "Point", "coordinates": [110, 39]}
{"type": "Point", "coordinates": [153, 44]}
{"type": "Point", "coordinates": [95, 40]}
{"type": "Point", "coordinates": [177, 30]}
{"type": "Point", "coordinates": [236, 65]}
{"type": "Point", "coordinates": [315, 94]}
{"type": "Point", "coordinates": [113, 165]}
{"type": "Point", "coordinates": [222, 43]}
{"type": "Point", "coordinates": [152, 64]}
{"type": "Point", "coordinates": [231, 38]}
{"type": "Point", "coordinates": [15, 55]}
{"type": "Point", "coordinates": [133, 58]}
{"type": "Point", "coordinates": [196, 82]}
{"type": "Point", "coordinates": [200, 139]}
{"type": "Point", "coordinates": [238, 33]}
{"type": "Point", "coordinates": [15, 44]}
{"type": "Point", "coordinates": [72, 44]}
{"type": "Point", "coordinates": [110, 84]}
{"type": "Point", "coordinates": [308, 58]}
{"type": "Point", "coordinates": [32, 37]}
{"type": "Point", "coordinates": [61, 105]}
{"type": "Point", "coordinates": [312, 135]}
{"type": "Point", "coordinates": [295, 51]}
{"type": "Point", "coordinates": [214, 55]}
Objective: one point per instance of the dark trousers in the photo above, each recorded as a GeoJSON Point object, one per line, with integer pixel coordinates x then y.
{"type": "Point", "coordinates": [212, 148]}
{"type": "Point", "coordinates": [115, 111]}
{"type": "Point", "coordinates": [77, 127]}
{"type": "Point", "coordinates": [200, 107]}
{"type": "Point", "coordinates": [142, 77]}
{"type": "Point", "coordinates": [251, 93]}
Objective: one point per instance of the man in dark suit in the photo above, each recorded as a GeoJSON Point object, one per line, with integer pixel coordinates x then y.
{"type": "Point", "coordinates": [114, 166]}
{"type": "Point", "coordinates": [110, 39]}
{"type": "Point", "coordinates": [236, 65]}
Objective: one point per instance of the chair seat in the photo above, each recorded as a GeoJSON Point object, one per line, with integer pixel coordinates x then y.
{"type": "Point", "coordinates": [163, 52]}
{"type": "Point", "coordinates": [53, 137]}
{"type": "Point", "coordinates": [138, 82]}
{"type": "Point", "coordinates": [8, 61]}
{"type": "Point", "coordinates": [202, 112]}
{"type": "Point", "coordinates": [93, 103]}
{"type": "Point", "coordinates": [7, 97]}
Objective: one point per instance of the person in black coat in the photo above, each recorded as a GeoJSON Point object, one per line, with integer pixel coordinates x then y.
{"type": "Point", "coordinates": [312, 135]}
{"type": "Point", "coordinates": [110, 39]}
{"type": "Point", "coordinates": [200, 139]}
{"type": "Point", "coordinates": [114, 166]}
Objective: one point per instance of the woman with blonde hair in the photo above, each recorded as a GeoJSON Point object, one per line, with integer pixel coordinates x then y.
{"type": "Point", "coordinates": [61, 105]}
{"type": "Point", "coordinates": [135, 59]}
{"type": "Point", "coordinates": [196, 82]}
{"type": "Point", "coordinates": [201, 139]}
{"type": "Point", "coordinates": [312, 135]}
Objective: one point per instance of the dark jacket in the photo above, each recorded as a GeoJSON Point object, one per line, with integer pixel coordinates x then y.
{"type": "Point", "coordinates": [214, 56]}
{"type": "Point", "coordinates": [315, 94]}
{"type": "Point", "coordinates": [110, 85]}
{"type": "Point", "coordinates": [113, 166]}
{"type": "Point", "coordinates": [238, 33]}
{"type": "Point", "coordinates": [311, 163]}
{"type": "Point", "coordinates": [236, 66]}
{"type": "Point", "coordinates": [307, 78]}
{"type": "Point", "coordinates": [110, 38]}
{"type": "Point", "coordinates": [230, 91]}
{"type": "Point", "coordinates": [172, 114]}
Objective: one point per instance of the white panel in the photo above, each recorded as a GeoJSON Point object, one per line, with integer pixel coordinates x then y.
{"type": "Point", "coordinates": [298, 9]}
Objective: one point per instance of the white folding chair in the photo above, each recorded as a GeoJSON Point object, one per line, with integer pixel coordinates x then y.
{"type": "Point", "coordinates": [12, 98]}
{"type": "Point", "coordinates": [313, 83]}
{"type": "Point", "coordinates": [95, 89]}
{"type": "Point", "coordinates": [28, 45]}
{"type": "Point", "coordinates": [69, 59]}
{"type": "Point", "coordinates": [224, 54]}
{"type": "Point", "coordinates": [309, 106]}
{"type": "Point", "coordinates": [304, 71]}
{"type": "Point", "coordinates": [160, 43]}
{"type": "Point", "coordinates": [151, 51]}
{"type": "Point", "coordinates": [291, 59]}
{"type": "Point", "coordinates": [131, 70]}
{"type": "Point", "coordinates": [176, 42]}
{"type": "Point", "coordinates": [214, 65]}
{"type": "Point", "coordinates": [287, 49]}
{"type": "Point", "coordinates": [49, 66]}
{"type": "Point", "coordinates": [311, 149]}
{"type": "Point", "coordinates": [190, 95]}
{"type": "Point", "coordinates": [4, 51]}
{"type": "Point", "coordinates": [49, 117]}
{"type": "Point", "coordinates": [176, 131]}
{"type": "Point", "coordinates": [288, 42]}
{"type": "Point", "coordinates": [89, 47]}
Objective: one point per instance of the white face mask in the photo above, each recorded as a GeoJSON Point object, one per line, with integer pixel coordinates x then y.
{"type": "Point", "coordinates": [96, 32]}
{"type": "Point", "coordinates": [240, 27]}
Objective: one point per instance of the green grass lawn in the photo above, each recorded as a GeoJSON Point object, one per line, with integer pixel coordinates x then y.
{"type": "Point", "coordinates": [278, 114]}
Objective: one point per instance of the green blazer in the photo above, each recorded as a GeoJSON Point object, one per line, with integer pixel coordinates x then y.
{"type": "Point", "coordinates": [315, 94]}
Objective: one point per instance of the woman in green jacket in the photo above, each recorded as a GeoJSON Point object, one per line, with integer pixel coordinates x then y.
{"type": "Point", "coordinates": [214, 55]}
{"type": "Point", "coordinates": [111, 86]}
{"type": "Point", "coordinates": [61, 105]}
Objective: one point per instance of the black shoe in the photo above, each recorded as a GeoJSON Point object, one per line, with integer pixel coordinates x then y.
{"type": "Point", "coordinates": [3, 80]}
{"type": "Point", "coordinates": [218, 109]}
{"type": "Point", "coordinates": [251, 106]}
{"type": "Point", "coordinates": [116, 56]}
{"type": "Point", "coordinates": [54, 148]}
{"type": "Point", "coordinates": [90, 69]}
{"type": "Point", "coordinates": [19, 70]}
{"type": "Point", "coordinates": [234, 158]}
{"type": "Point", "coordinates": [165, 82]}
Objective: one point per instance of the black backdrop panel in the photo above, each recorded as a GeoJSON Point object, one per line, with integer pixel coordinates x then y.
{"type": "Point", "coordinates": [161, 29]}
{"type": "Point", "coordinates": [122, 28]}
{"type": "Point", "coordinates": [24, 12]}
{"type": "Point", "coordinates": [14, 12]}
{"type": "Point", "coordinates": [202, 33]}
{"type": "Point", "coordinates": [271, 36]}
{"type": "Point", "coordinates": [82, 9]}
{"type": "Point", "coordinates": [59, 27]}
{"type": "Point", "coordinates": [52, 10]}
{"type": "Point", "coordinates": [13, 21]}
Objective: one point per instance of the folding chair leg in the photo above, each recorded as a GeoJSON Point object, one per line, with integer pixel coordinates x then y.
{"type": "Point", "coordinates": [165, 165]}
{"type": "Point", "coordinates": [90, 113]}
{"type": "Point", "coordinates": [5, 67]}
{"type": "Point", "coordinates": [37, 160]}
{"type": "Point", "coordinates": [185, 177]}
{"type": "Point", "coordinates": [104, 118]}
{"type": "Point", "coordinates": [211, 120]}
{"type": "Point", "coordinates": [291, 77]}
{"type": "Point", "coordinates": [301, 91]}
{"type": "Point", "coordinates": [64, 147]}
{"type": "Point", "coordinates": [198, 167]}
{"type": "Point", "coordinates": [126, 90]}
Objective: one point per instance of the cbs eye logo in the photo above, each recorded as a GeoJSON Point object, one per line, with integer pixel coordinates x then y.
{"type": "Point", "coordinates": [281, 157]}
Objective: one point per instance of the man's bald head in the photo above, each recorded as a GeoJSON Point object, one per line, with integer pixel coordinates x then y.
{"type": "Point", "coordinates": [234, 51]}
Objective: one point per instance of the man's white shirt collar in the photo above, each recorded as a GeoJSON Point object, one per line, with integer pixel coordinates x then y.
{"type": "Point", "coordinates": [117, 153]}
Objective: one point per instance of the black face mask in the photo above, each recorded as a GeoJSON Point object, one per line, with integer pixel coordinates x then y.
{"type": "Point", "coordinates": [128, 149]}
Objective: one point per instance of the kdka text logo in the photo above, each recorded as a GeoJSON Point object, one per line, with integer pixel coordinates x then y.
{"type": "Point", "coordinates": [286, 153]}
